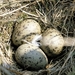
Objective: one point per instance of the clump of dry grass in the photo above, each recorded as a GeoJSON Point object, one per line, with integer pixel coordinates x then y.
{"type": "Point", "coordinates": [58, 14]}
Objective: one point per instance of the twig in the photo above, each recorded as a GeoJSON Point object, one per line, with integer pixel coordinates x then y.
{"type": "Point", "coordinates": [13, 11]}
{"type": "Point", "coordinates": [16, 72]}
{"type": "Point", "coordinates": [28, 13]}
{"type": "Point", "coordinates": [5, 70]}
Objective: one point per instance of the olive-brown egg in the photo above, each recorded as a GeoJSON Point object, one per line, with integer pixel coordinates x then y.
{"type": "Point", "coordinates": [52, 42]}
{"type": "Point", "coordinates": [25, 31]}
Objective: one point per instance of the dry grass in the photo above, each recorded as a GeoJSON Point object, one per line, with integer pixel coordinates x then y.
{"type": "Point", "coordinates": [59, 14]}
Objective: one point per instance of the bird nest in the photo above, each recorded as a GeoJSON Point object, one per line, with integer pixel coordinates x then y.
{"type": "Point", "coordinates": [59, 14]}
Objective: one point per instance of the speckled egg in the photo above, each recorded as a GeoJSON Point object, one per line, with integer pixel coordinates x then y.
{"type": "Point", "coordinates": [25, 31]}
{"type": "Point", "coordinates": [52, 42]}
{"type": "Point", "coordinates": [31, 57]}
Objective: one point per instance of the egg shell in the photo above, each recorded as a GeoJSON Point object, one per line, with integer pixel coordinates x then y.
{"type": "Point", "coordinates": [31, 57]}
{"type": "Point", "coordinates": [52, 42]}
{"type": "Point", "coordinates": [25, 31]}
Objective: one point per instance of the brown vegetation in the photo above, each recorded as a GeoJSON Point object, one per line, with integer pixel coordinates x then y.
{"type": "Point", "coordinates": [58, 14]}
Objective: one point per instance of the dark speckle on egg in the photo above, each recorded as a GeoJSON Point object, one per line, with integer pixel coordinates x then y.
{"type": "Point", "coordinates": [16, 41]}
